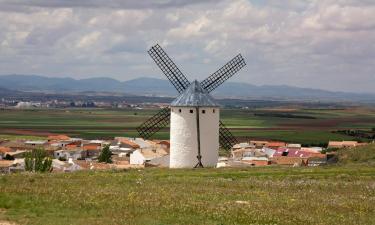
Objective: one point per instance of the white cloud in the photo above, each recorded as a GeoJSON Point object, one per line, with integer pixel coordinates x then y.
{"type": "Point", "coordinates": [88, 40]}
{"type": "Point", "coordinates": [321, 44]}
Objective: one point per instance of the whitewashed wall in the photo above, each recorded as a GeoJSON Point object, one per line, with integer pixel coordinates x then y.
{"type": "Point", "coordinates": [184, 148]}
{"type": "Point", "coordinates": [136, 158]}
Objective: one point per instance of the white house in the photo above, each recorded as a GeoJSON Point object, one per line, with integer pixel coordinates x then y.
{"type": "Point", "coordinates": [141, 156]}
{"type": "Point", "coordinates": [69, 154]}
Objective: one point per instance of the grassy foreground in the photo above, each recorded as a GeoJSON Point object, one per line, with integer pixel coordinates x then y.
{"type": "Point", "coordinates": [272, 195]}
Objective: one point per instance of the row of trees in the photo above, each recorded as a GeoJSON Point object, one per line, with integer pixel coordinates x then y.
{"type": "Point", "coordinates": [38, 161]}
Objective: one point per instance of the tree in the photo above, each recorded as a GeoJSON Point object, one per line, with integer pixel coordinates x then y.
{"type": "Point", "coordinates": [38, 161]}
{"type": "Point", "coordinates": [8, 157]}
{"type": "Point", "coordinates": [105, 155]}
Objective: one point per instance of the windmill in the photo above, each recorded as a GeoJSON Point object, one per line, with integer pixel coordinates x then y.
{"type": "Point", "coordinates": [194, 101]}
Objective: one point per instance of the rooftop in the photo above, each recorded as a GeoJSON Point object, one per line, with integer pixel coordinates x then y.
{"type": "Point", "coordinates": [195, 96]}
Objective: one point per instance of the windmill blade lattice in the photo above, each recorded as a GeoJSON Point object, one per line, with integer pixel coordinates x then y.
{"type": "Point", "coordinates": [155, 123]}
{"type": "Point", "coordinates": [226, 138]}
{"type": "Point", "coordinates": [180, 82]}
{"type": "Point", "coordinates": [223, 74]}
{"type": "Point", "coordinates": [170, 69]}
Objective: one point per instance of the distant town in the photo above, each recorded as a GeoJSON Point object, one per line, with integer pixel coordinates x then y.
{"type": "Point", "coordinates": [75, 154]}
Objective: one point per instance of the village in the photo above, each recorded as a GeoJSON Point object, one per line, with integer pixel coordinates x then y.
{"type": "Point", "coordinates": [74, 154]}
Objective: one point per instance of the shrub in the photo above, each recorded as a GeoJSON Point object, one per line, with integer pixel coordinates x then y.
{"type": "Point", "coordinates": [105, 155]}
{"type": "Point", "coordinates": [37, 161]}
{"type": "Point", "coordinates": [8, 157]}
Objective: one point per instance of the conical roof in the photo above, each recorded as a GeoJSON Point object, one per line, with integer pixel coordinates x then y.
{"type": "Point", "coordinates": [195, 96]}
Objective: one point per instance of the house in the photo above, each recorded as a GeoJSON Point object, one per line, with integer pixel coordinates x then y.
{"type": "Point", "coordinates": [123, 146]}
{"type": "Point", "coordinates": [312, 149]}
{"type": "Point", "coordinates": [343, 144]}
{"type": "Point", "coordinates": [293, 146]}
{"type": "Point", "coordinates": [238, 154]}
{"type": "Point", "coordinates": [35, 143]}
{"type": "Point", "coordinates": [287, 152]}
{"type": "Point", "coordinates": [290, 161]}
{"type": "Point", "coordinates": [17, 154]}
{"type": "Point", "coordinates": [126, 143]}
{"type": "Point", "coordinates": [4, 151]}
{"type": "Point", "coordinates": [268, 151]}
{"type": "Point", "coordinates": [73, 144]}
{"type": "Point", "coordinates": [162, 161]}
{"type": "Point", "coordinates": [92, 149]}
{"type": "Point", "coordinates": [255, 161]}
{"type": "Point", "coordinates": [141, 156]}
{"type": "Point", "coordinates": [163, 143]}
{"type": "Point", "coordinates": [243, 145]}
{"type": "Point", "coordinates": [259, 144]}
{"type": "Point", "coordinates": [70, 154]}
{"type": "Point", "coordinates": [275, 145]}
{"type": "Point", "coordinates": [63, 166]}
{"type": "Point", "coordinates": [142, 143]}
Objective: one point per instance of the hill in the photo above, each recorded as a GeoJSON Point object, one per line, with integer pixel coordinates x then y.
{"type": "Point", "coordinates": [362, 155]}
{"type": "Point", "coordinates": [271, 195]}
{"type": "Point", "coordinates": [160, 87]}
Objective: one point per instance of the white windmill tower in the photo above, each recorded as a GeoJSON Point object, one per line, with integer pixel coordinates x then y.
{"type": "Point", "coordinates": [196, 130]}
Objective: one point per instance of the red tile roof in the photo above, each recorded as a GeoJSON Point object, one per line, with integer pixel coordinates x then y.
{"type": "Point", "coordinates": [296, 153]}
{"type": "Point", "coordinates": [276, 144]}
{"type": "Point", "coordinates": [5, 149]}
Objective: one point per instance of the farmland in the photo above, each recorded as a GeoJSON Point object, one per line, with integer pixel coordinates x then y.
{"type": "Point", "coordinates": [307, 126]}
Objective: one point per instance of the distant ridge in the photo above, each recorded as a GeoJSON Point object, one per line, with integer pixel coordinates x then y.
{"type": "Point", "coordinates": [160, 87]}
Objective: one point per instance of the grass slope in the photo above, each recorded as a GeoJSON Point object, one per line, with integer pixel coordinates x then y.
{"type": "Point", "coordinates": [363, 155]}
{"type": "Point", "coordinates": [272, 195]}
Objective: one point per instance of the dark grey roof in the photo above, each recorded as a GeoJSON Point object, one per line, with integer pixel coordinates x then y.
{"type": "Point", "coordinates": [195, 95]}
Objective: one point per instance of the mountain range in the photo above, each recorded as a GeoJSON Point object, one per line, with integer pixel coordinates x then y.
{"type": "Point", "coordinates": [159, 87]}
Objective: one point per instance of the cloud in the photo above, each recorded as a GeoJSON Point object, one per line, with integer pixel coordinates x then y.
{"type": "Point", "coordinates": [320, 44]}
{"type": "Point", "coordinates": [128, 4]}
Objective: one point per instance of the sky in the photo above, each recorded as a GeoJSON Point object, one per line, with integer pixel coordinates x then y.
{"type": "Point", "coordinates": [321, 44]}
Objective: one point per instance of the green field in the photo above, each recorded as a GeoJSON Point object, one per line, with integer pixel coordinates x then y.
{"type": "Point", "coordinates": [272, 195]}
{"type": "Point", "coordinates": [107, 123]}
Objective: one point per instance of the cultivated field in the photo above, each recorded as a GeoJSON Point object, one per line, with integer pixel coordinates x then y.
{"type": "Point", "coordinates": [306, 126]}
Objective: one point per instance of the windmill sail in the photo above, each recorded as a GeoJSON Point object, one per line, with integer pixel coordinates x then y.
{"type": "Point", "coordinates": [168, 67]}
{"type": "Point", "coordinates": [180, 82]}
{"type": "Point", "coordinates": [226, 138]}
{"type": "Point", "coordinates": [223, 74]}
{"type": "Point", "coordinates": [155, 123]}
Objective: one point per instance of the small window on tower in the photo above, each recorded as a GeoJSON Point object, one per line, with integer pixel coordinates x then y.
{"type": "Point", "coordinates": [203, 111]}
{"type": "Point", "coordinates": [179, 110]}
{"type": "Point", "coordinates": [213, 110]}
{"type": "Point", "coordinates": [191, 111]}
